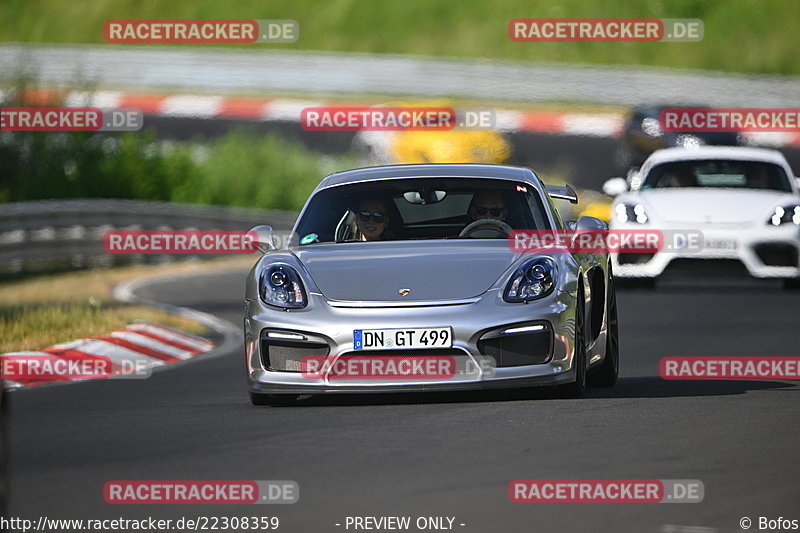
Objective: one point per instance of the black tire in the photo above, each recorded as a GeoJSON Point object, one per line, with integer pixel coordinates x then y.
{"type": "Point", "coordinates": [273, 400]}
{"type": "Point", "coordinates": [791, 284]}
{"type": "Point", "coordinates": [577, 388]}
{"type": "Point", "coordinates": [606, 374]}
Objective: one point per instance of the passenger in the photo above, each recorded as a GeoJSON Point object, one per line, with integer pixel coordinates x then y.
{"type": "Point", "coordinates": [758, 178]}
{"type": "Point", "coordinates": [682, 176]}
{"type": "Point", "coordinates": [372, 220]}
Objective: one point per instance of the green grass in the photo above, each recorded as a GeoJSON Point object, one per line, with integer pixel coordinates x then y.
{"type": "Point", "coordinates": [250, 170]}
{"type": "Point", "coordinates": [34, 315]}
{"type": "Point", "coordinates": [35, 328]}
{"type": "Point", "coordinates": [754, 36]}
{"type": "Point", "coordinates": [242, 168]}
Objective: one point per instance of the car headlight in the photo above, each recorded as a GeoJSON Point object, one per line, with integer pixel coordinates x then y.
{"type": "Point", "coordinates": [689, 141]}
{"type": "Point", "coordinates": [532, 280]}
{"type": "Point", "coordinates": [631, 213]}
{"type": "Point", "coordinates": [280, 286]}
{"type": "Point", "coordinates": [651, 127]}
{"type": "Point", "coordinates": [785, 214]}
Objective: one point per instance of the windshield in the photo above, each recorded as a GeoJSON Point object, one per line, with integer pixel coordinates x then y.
{"type": "Point", "coordinates": [716, 173]}
{"type": "Point", "coordinates": [421, 208]}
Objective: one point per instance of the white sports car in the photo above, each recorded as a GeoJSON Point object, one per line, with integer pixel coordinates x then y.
{"type": "Point", "coordinates": [745, 201]}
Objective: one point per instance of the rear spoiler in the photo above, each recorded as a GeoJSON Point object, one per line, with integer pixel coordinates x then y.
{"type": "Point", "coordinates": [562, 193]}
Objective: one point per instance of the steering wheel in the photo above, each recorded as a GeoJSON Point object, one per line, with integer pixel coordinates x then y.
{"type": "Point", "coordinates": [499, 226]}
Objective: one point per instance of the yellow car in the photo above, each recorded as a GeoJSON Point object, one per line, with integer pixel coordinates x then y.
{"type": "Point", "coordinates": [456, 146]}
{"type": "Point", "coordinates": [432, 146]}
{"type": "Point", "coordinates": [601, 210]}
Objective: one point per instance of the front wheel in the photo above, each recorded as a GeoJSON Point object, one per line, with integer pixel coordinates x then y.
{"type": "Point", "coordinates": [606, 374]}
{"type": "Point", "coordinates": [577, 388]}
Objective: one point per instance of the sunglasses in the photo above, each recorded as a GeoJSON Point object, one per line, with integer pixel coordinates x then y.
{"type": "Point", "coordinates": [364, 216]}
{"type": "Point", "coordinates": [495, 211]}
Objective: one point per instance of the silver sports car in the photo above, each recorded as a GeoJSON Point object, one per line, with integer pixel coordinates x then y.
{"type": "Point", "coordinates": [402, 279]}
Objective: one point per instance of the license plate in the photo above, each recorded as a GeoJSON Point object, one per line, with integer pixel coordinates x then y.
{"type": "Point", "coordinates": [402, 339]}
{"type": "Point", "coordinates": [721, 244]}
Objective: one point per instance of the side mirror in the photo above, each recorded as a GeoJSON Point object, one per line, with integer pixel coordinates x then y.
{"type": "Point", "coordinates": [590, 224]}
{"type": "Point", "coordinates": [615, 186]}
{"type": "Point", "coordinates": [264, 238]}
{"type": "Point", "coordinates": [585, 225]}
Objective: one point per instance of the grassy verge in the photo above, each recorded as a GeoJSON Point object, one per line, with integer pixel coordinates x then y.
{"type": "Point", "coordinates": [242, 168]}
{"type": "Point", "coordinates": [42, 311]}
{"type": "Point", "coordinates": [740, 35]}
{"type": "Point", "coordinates": [34, 328]}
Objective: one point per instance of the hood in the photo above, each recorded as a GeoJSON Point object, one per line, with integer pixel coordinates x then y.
{"type": "Point", "coordinates": [711, 206]}
{"type": "Point", "coordinates": [432, 270]}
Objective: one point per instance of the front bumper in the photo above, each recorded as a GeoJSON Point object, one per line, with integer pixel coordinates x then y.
{"type": "Point", "coordinates": [470, 320]}
{"type": "Point", "coordinates": [763, 251]}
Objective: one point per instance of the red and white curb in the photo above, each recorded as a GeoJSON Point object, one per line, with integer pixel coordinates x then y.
{"type": "Point", "coordinates": [287, 110]}
{"type": "Point", "coordinates": [141, 345]}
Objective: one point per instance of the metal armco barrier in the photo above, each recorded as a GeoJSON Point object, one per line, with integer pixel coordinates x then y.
{"type": "Point", "coordinates": [290, 71]}
{"type": "Point", "coordinates": [61, 234]}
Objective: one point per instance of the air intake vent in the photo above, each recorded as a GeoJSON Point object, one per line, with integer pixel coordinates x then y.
{"type": "Point", "coordinates": [286, 355]}
{"type": "Point", "coordinates": [525, 347]}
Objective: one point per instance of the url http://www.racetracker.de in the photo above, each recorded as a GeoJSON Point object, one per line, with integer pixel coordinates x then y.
{"type": "Point", "coordinates": [44, 524]}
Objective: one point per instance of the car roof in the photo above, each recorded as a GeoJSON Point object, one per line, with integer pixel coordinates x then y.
{"type": "Point", "coordinates": [716, 152]}
{"type": "Point", "coordinates": [436, 170]}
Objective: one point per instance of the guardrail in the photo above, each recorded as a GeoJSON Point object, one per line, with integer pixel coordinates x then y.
{"type": "Point", "coordinates": [209, 70]}
{"type": "Point", "coordinates": [62, 234]}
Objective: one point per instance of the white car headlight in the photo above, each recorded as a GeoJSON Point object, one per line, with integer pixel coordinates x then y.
{"type": "Point", "coordinates": [689, 141]}
{"type": "Point", "coordinates": [280, 286]}
{"type": "Point", "coordinates": [630, 213]}
{"type": "Point", "coordinates": [651, 127]}
{"type": "Point", "coordinates": [786, 214]}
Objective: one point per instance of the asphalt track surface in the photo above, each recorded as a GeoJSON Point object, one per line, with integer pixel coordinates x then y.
{"type": "Point", "coordinates": [438, 454]}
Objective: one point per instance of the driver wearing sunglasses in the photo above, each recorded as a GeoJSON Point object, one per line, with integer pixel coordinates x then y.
{"type": "Point", "coordinates": [488, 205]}
{"type": "Point", "coordinates": [372, 220]}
